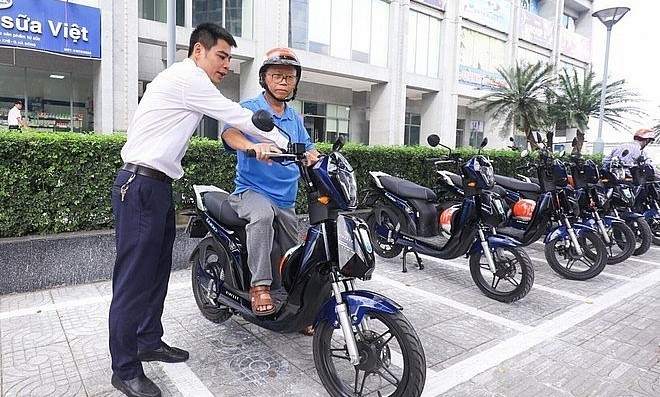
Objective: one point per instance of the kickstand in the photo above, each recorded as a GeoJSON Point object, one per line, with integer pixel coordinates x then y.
{"type": "Point", "coordinates": [419, 264]}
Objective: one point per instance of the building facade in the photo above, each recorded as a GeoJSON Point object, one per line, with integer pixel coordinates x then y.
{"type": "Point", "coordinates": [377, 71]}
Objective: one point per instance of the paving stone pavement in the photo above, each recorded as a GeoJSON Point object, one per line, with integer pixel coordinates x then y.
{"type": "Point", "coordinates": [599, 337]}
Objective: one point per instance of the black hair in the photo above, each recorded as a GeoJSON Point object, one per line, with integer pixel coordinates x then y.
{"type": "Point", "coordinates": [207, 34]}
{"type": "Point", "coordinates": [18, 102]}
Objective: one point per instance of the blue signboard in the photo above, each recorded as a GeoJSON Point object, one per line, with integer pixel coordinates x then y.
{"type": "Point", "coordinates": [51, 25]}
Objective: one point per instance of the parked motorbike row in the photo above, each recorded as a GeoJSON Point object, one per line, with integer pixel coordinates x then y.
{"type": "Point", "coordinates": [588, 217]}
{"type": "Point", "coordinates": [362, 343]}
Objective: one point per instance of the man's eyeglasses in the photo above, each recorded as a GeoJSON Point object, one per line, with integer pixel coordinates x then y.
{"type": "Point", "coordinates": [278, 77]}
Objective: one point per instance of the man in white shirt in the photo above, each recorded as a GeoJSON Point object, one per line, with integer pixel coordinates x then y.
{"type": "Point", "coordinates": [157, 139]}
{"type": "Point", "coordinates": [14, 118]}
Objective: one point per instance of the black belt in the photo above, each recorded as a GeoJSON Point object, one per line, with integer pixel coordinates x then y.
{"type": "Point", "coordinates": [14, 127]}
{"type": "Point", "coordinates": [146, 171]}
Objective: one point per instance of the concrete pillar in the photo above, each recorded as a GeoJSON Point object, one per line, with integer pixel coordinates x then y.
{"type": "Point", "coordinates": [103, 80]}
{"type": "Point", "coordinates": [451, 40]}
{"type": "Point", "coordinates": [359, 125]}
{"type": "Point", "coordinates": [388, 100]}
{"type": "Point", "coordinates": [431, 111]}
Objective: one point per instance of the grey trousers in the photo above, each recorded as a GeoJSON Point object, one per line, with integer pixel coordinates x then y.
{"type": "Point", "coordinates": [264, 217]}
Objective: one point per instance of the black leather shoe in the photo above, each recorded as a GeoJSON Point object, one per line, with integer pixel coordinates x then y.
{"type": "Point", "coordinates": [136, 387]}
{"type": "Point", "coordinates": [165, 354]}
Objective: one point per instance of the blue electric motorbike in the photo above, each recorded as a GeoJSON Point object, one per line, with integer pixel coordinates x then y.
{"type": "Point", "coordinates": [405, 216]}
{"type": "Point", "coordinates": [357, 333]}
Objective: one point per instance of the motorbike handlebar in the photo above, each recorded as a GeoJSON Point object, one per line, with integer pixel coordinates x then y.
{"type": "Point", "coordinates": [277, 157]}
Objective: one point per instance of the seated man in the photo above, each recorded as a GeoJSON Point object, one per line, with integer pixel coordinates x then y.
{"type": "Point", "coordinates": [641, 139]}
{"type": "Point", "coordinates": [265, 193]}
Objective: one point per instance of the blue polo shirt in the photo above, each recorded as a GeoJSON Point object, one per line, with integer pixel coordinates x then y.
{"type": "Point", "coordinates": [277, 182]}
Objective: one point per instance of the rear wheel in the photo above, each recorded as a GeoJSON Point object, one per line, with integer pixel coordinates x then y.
{"type": "Point", "coordinates": [563, 258]}
{"type": "Point", "coordinates": [643, 235]}
{"type": "Point", "coordinates": [392, 361]}
{"type": "Point", "coordinates": [208, 265]}
{"type": "Point", "coordinates": [382, 247]}
{"type": "Point", "coordinates": [622, 243]}
{"type": "Point", "coordinates": [512, 279]}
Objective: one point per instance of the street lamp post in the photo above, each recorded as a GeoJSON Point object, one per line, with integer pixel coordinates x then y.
{"type": "Point", "coordinates": [609, 17]}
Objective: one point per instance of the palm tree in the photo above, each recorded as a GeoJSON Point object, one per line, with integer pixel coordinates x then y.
{"type": "Point", "coordinates": [521, 101]}
{"type": "Point", "coordinates": [577, 99]}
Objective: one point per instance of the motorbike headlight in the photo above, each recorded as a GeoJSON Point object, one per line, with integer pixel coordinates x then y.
{"type": "Point", "coordinates": [618, 172]}
{"type": "Point", "coordinates": [485, 170]}
{"type": "Point", "coordinates": [343, 178]}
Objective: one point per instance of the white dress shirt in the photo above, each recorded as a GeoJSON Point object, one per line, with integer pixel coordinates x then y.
{"type": "Point", "coordinates": [169, 112]}
{"type": "Point", "coordinates": [14, 115]}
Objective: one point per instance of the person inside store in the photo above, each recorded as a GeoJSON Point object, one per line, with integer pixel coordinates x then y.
{"type": "Point", "coordinates": [265, 193]}
{"type": "Point", "coordinates": [157, 139]}
{"type": "Point", "coordinates": [642, 138]}
{"type": "Point", "coordinates": [14, 119]}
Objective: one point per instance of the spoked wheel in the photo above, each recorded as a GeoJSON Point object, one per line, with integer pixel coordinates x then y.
{"type": "Point", "coordinates": [382, 247]}
{"type": "Point", "coordinates": [654, 224]}
{"type": "Point", "coordinates": [392, 361]}
{"type": "Point", "coordinates": [208, 262]}
{"type": "Point", "coordinates": [643, 235]}
{"type": "Point", "coordinates": [512, 279]}
{"type": "Point", "coordinates": [622, 243]}
{"type": "Point", "coordinates": [564, 259]}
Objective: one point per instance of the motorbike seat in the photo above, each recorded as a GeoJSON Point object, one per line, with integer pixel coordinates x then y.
{"type": "Point", "coordinates": [219, 207]}
{"type": "Point", "coordinates": [407, 189]}
{"type": "Point", "coordinates": [457, 179]}
{"type": "Point", "coordinates": [517, 185]}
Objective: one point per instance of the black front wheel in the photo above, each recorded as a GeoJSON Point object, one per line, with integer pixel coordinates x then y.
{"type": "Point", "coordinates": [654, 224]}
{"type": "Point", "coordinates": [643, 235]}
{"type": "Point", "coordinates": [513, 277]}
{"type": "Point", "coordinates": [622, 243]}
{"type": "Point", "coordinates": [564, 259]}
{"type": "Point", "coordinates": [208, 264]}
{"type": "Point", "coordinates": [392, 361]}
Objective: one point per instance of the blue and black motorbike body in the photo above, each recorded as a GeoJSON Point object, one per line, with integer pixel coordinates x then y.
{"type": "Point", "coordinates": [646, 189]}
{"type": "Point", "coordinates": [573, 250]}
{"type": "Point", "coordinates": [617, 189]}
{"type": "Point", "coordinates": [405, 217]}
{"type": "Point", "coordinates": [354, 329]}
{"type": "Point", "coordinates": [618, 237]}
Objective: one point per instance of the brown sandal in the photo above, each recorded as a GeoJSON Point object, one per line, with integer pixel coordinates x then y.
{"type": "Point", "coordinates": [262, 302]}
{"type": "Point", "coordinates": [308, 330]}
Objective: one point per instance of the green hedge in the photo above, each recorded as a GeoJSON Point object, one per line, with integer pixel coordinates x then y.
{"type": "Point", "coordinates": [61, 182]}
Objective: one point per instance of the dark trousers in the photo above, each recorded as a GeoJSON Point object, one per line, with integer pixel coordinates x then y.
{"type": "Point", "coordinates": [145, 231]}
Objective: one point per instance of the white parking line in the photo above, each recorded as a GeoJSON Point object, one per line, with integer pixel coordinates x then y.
{"type": "Point", "coordinates": [635, 259]}
{"type": "Point", "coordinates": [606, 274]}
{"type": "Point", "coordinates": [438, 382]}
{"type": "Point", "coordinates": [185, 380]}
{"type": "Point", "coordinates": [453, 304]}
{"type": "Point", "coordinates": [536, 285]}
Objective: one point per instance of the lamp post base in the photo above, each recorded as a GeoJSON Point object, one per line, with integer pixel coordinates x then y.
{"type": "Point", "coordinates": [599, 146]}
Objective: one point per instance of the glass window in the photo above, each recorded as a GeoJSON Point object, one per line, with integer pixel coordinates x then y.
{"type": "Point", "coordinates": [326, 27]}
{"type": "Point", "coordinates": [324, 122]}
{"type": "Point", "coordinates": [55, 101]}
{"type": "Point", "coordinates": [412, 125]}
{"type": "Point", "coordinates": [156, 10]}
{"type": "Point", "coordinates": [233, 15]}
{"type": "Point", "coordinates": [423, 44]}
{"type": "Point", "coordinates": [460, 132]}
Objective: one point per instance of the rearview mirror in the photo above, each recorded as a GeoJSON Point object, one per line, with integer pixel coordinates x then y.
{"type": "Point", "coordinates": [484, 142]}
{"type": "Point", "coordinates": [433, 140]}
{"type": "Point", "coordinates": [524, 153]}
{"type": "Point", "coordinates": [624, 153]}
{"type": "Point", "coordinates": [263, 120]}
{"type": "Point", "coordinates": [339, 143]}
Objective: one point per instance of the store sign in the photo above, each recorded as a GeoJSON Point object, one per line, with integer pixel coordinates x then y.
{"type": "Point", "coordinates": [479, 78]}
{"type": "Point", "coordinates": [535, 29]}
{"type": "Point", "coordinates": [51, 25]}
{"type": "Point", "coordinates": [495, 14]}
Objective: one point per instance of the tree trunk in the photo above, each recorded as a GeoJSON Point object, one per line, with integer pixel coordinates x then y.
{"type": "Point", "coordinates": [579, 141]}
{"type": "Point", "coordinates": [531, 140]}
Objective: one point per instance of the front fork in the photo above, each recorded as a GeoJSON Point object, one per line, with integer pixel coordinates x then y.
{"type": "Point", "coordinates": [487, 253]}
{"type": "Point", "coordinates": [346, 327]}
{"type": "Point", "coordinates": [573, 236]}
{"type": "Point", "coordinates": [602, 228]}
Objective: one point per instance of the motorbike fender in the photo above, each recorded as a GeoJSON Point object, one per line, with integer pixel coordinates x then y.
{"type": "Point", "coordinates": [358, 303]}
{"type": "Point", "coordinates": [561, 231]}
{"type": "Point", "coordinates": [609, 220]}
{"type": "Point", "coordinates": [651, 213]}
{"type": "Point", "coordinates": [494, 241]}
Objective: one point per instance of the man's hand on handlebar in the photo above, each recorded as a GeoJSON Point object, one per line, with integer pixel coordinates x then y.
{"type": "Point", "coordinates": [262, 151]}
